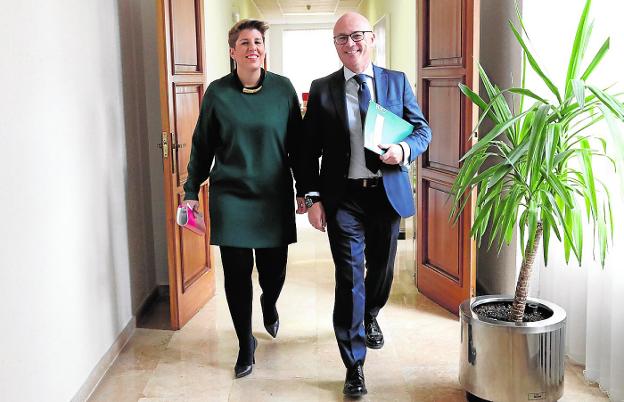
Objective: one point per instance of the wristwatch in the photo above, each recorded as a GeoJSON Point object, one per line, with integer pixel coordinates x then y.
{"type": "Point", "coordinates": [311, 199]}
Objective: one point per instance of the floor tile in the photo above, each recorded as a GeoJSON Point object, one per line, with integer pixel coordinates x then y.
{"type": "Point", "coordinates": [418, 363]}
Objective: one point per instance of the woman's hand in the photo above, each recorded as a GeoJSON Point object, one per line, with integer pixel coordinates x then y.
{"type": "Point", "coordinates": [194, 204]}
{"type": "Point", "coordinates": [301, 208]}
{"type": "Point", "coordinates": [316, 216]}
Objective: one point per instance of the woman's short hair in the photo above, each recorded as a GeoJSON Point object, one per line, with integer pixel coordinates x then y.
{"type": "Point", "coordinates": [241, 25]}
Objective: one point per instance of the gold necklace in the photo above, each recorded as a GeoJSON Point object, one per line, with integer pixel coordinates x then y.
{"type": "Point", "coordinates": [251, 90]}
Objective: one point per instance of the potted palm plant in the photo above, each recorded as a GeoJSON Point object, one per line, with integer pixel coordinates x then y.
{"type": "Point", "coordinates": [540, 178]}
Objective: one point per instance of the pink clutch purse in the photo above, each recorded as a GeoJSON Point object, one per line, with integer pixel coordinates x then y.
{"type": "Point", "coordinates": [190, 219]}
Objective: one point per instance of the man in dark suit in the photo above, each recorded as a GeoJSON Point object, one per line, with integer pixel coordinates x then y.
{"type": "Point", "coordinates": [359, 195]}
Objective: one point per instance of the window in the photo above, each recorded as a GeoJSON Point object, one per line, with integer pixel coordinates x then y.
{"type": "Point", "coordinates": [308, 54]}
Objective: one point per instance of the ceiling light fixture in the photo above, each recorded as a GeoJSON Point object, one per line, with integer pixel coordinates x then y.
{"type": "Point", "coordinates": [309, 7]}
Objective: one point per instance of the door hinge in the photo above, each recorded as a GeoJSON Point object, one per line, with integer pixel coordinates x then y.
{"type": "Point", "coordinates": [164, 144]}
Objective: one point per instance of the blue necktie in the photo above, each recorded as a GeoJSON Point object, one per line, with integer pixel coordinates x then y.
{"type": "Point", "coordinates": [364, 97]}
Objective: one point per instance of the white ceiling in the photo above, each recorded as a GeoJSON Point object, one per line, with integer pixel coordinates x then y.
{"type": "Point", "coordinates": [304, 11]}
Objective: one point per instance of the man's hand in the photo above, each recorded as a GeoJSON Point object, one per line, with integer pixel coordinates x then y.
{"type": "Point", "coordinates": [393, 154]}
{"type": "Point", "coordinates": [316, 216]}
{"type": "Point", "coordinates": [301, 208]}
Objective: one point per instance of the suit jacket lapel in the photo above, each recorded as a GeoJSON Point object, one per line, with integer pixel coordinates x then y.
{"type": "Point", "coordinates": [338, 95]}
{"type": "Point", "coordinates": [381, 85]}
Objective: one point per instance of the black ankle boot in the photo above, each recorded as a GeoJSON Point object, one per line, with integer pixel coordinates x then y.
{"type": "Point", "coordinates": [244, 365]}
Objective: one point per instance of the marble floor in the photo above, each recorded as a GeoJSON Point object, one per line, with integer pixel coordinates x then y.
{"type": "Point", "coordinates": [418, 362]}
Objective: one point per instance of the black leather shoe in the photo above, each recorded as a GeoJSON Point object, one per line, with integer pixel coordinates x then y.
{"type": "Point", "coordinates": [242, 369]}
{"type": "Point", "coordinates": [354, 383]}
{"type": "Point", "coordinates": [271, 328]}
{"type": "Point", "coordinates": [374, 336]}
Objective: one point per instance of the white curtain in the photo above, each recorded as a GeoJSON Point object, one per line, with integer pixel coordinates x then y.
{"type": "Point", "coordinates": [592, 296]}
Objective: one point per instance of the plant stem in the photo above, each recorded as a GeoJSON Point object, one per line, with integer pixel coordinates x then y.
{"type": "Point", "coordinates": [522, 286]}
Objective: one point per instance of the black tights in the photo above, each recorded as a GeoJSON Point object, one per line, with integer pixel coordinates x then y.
{"type": "Point", "coordinates": [237, 266]}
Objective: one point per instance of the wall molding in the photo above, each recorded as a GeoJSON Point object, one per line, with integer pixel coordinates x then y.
{"type": "Point", "coordinates": [100, 369]}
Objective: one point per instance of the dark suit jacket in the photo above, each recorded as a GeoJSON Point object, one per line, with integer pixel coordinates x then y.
{"type": "Point", "coordinates": [326, 134]}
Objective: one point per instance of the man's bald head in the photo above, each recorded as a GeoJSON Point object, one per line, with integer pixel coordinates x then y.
{"type": "Point", "coordinates": [354, 55]}
{"type": "Point", "coordinates": [352, 18]}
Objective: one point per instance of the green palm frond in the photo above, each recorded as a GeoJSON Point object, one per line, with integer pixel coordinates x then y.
{"type": "Point", "coordinates": [541, 160]}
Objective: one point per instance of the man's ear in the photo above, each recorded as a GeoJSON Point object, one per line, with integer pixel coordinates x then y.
{"type": "Point", "coordinates": [373, 38]}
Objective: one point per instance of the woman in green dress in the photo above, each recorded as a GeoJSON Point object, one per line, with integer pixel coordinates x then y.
{"type": "Point", "coordinates": [248, 126]}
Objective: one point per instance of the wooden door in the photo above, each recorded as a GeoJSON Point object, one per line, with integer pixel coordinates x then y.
{"type": "Point", "coordinates": [182, 85]}
{"type": "Point", "coordinates": [448, 42]}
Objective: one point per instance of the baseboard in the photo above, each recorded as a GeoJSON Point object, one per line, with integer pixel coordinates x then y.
{"type": "Point", "coordinates": [156, 293]}
{"type": "Point", "coordinates": [105, 362]}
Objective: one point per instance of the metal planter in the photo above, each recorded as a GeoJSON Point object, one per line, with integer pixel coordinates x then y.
{"type": "Point", "coordinates": [505, 361]}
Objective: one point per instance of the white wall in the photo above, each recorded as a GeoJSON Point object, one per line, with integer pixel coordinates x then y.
{"type": "Point", "coordinates": [401, 16]}
{"type": "Point", "coordinates": [218, 22]}
{"type": "Point", "coordinates": [80, 122]}
{"type": "Point", "coordinates": [146, 71]}
{"type": "Point", "coordinates": [65, 280]}
{"type": "Point", "coordinates": [501, 57]}
{"type": "Point", "coordinates": [137, 22]}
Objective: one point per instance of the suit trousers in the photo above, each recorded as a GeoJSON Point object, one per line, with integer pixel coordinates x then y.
{"type": "Point", "coordinates": [363, 234]}
{"type": "Point", "coordinates": [237, 267]}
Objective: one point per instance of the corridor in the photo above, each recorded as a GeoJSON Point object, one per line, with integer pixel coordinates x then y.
{"type": "Point", "coordinates": [418, 362]}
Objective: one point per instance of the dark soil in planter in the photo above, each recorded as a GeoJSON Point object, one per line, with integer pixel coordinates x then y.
{"type": "Point", "coordinates": [501, 311]}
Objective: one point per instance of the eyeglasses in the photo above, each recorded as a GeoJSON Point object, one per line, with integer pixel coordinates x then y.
{"type": "Point", "coordinates": [356, 36]}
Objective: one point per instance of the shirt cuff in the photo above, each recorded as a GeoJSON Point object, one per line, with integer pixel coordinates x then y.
{"type": "Point", "coordinates": [313, 194]}
{"type": "Point", "coordinates": [406, 153]}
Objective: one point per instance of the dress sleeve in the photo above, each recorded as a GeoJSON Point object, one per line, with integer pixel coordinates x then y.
{"type": "Point", "coordinates": [202, 149]}
{"type": "Point", "coordinates": [293, 137]}
{"type": "Point", "coordinates": [310, 145]}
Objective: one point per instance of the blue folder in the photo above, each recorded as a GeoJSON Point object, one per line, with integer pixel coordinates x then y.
{"type": "Point", "coordinates": [383, 127]}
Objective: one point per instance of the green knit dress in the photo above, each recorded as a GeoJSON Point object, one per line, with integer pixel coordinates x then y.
{"type": "Point", "coordinates": [252, 139]}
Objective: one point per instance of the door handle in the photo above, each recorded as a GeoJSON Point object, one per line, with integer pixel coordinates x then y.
{"type": "Point", "coordinates": [164, 144]}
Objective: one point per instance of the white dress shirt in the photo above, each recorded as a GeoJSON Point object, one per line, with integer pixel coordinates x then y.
{"type": "Point", "coordinates": [357, 163]}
